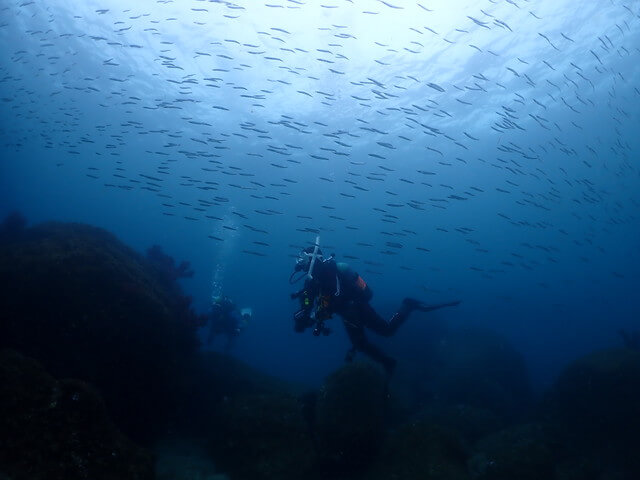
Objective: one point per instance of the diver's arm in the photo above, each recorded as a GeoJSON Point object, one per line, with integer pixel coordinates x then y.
{"type": "Point", "coordinates": [306, 296]}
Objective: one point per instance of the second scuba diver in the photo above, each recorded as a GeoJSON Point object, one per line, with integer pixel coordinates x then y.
{"type": "Point", "coordinates": [333, 287]}
{"type": "Point", "coordinates": [226, 319]}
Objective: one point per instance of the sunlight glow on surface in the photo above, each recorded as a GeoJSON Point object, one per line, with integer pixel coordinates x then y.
{"type": "Point", "coordinates": [362, 43]}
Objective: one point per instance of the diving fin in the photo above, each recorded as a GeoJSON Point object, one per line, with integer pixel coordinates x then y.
{"type": "Point", "coordinates": [413, 304]}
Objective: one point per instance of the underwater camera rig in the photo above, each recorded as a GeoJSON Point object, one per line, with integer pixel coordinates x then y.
{"type": "Point", "coordinates": [321, 329]}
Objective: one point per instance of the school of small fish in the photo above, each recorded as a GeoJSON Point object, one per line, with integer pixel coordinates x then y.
{"type": "Point", "coordinates": [392, 128]}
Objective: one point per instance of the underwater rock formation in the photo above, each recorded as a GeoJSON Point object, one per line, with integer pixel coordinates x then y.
{"type": "Point", "coordinates": [521, 451]}
{"type": "Point", "coordinates": [250, 424]}
{"type": "Point", "coordinates": [52, 429]}
{"type": "Point", "coordinates": [263, 437]}
{"type": "Point", "coordinates": [184, 459]}
{"type": "Point", "coordinates": [350, 416]}
{"type": "Point", "coordinates": [89, 307]}
{"type": "Point", "coordinates": [467, 422]}
{"type": "Point", "coordinates": [477, 367]}
{"type": "Point", "coordinates": [595, 408]}
{"type": "Point", "coordinates": [209, 383]}
{"type": "Point", "coordinates": [420, 450]}
{"type": "Point", "coordinates": [168, 273]}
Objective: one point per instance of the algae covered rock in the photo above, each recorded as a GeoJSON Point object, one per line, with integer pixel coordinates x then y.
{"type": "Point", "coordinates": [184, 459]}
{"type": "Point", "coordinates": [254, 424]}
{"type": "Point", "coordinates": [599, 395]}
{"type": "Point", "coordinates": [594, 406]}
{"type": "Point", "coordinates": [479, 368]}
{"type": "Point", "coordinates": [263, 436]}
{"type": "Point", "coordinates": [89, 307]}
{"type": "Point", "coordinates": [350, 416]}
{"type": "Point", "coordinates": [53, 429]}
{"type": "Point", "coordinates": [469, 423]}
{"type": "Point", "coordinates": [421, 450]}
{"type": "Point", "coordinates": [211, 382]}
{"type": "Point", "coordinates": [522, 451]}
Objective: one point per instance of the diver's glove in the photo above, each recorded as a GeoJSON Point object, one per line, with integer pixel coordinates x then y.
{"type": "Point", "coordinates": [302, 320]}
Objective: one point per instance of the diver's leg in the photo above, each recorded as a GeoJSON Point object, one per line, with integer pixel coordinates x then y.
{"type": "Point", "coordinates": [355, 331]}
{"type": "Point", "coordinates": [408, 306]}
{"type": "Point", "coordinates": [413, 304]}
{"type": "Point", "coordinates": [373, 321]}
{"type": "Point", "coordinates": [398, 319]}
{"type": "Point", "coordinates": [366, 316]}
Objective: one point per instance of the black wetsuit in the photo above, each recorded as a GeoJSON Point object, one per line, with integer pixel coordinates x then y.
{"type": "Point", "coordinates": [337, 289]}
{"type": "Point", "coordinates": [224, 321]}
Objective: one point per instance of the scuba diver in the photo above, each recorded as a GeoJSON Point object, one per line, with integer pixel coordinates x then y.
{"type": "Point", "coordinates": [226, 319]}
{"type": "Point", "coordinates": [333, 287]}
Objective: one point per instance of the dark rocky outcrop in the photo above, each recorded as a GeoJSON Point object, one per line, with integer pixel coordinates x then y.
{"type": "Point", "coordinates": [89, 307]}
{"type": "Point", "coordinates": [351, 416]}
{"type": "Point", "coordinates": [59, 429]}
{"type": "Point", "coordinates": [523, 451]}
{"type": "Point", "coordinates": [262, 437]}
{"type": "Point", "coordinates": [420, 450]}
{"type": "Point", "coordinates": [478, 368]}
{"type": "Point", "coordinates": [594, 408]}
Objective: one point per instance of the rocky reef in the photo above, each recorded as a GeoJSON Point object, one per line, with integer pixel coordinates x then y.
{"type": "Point", "coordinates": [87, 306]}
{"type": "Point", "coordinates": [594, 409]}
{"type": "Point", "coordinates": [59, 429]}
{"type": "Point", "coordinates": [98, 344]}
{"type": "Point", "coordinates": [522, 451]}
{"type": "Point", "coordinates": [264, 436]}
{"type": "Point", "coordinates": [478, 368]}
{"type": "Point", "coordinates": [418, 450]}
{"type": "Point", "coordinates": [351, 416]}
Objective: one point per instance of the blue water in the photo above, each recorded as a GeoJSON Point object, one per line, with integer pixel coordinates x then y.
{"type": "Point", "coordinates": [484, 151]}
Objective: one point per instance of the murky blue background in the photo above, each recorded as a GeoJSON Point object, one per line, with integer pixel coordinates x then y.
{"type": "Point", "coordinates": [486, 152]}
